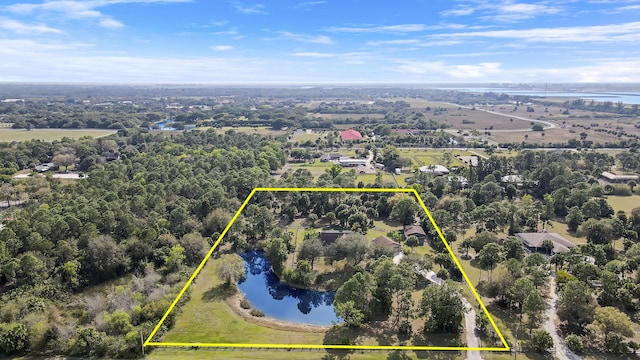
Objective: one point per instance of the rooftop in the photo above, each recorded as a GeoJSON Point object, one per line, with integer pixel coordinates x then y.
{"type": "Point", "coordinates": [350, 135]}
{"type": "Point", "coordinates": [383, 240]}
{"type": "Point", "coordinates": [612, 176]}
{"type": "Point", "coordinates": [535, 240]}
{"type": "Point", "coordinates": [434, 169]}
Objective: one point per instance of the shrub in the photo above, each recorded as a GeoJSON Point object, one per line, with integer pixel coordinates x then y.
{"type": "Point", "coordinates": [255, 312]}
{"type": "Point", "coordinates": [574, 342]}
{"type": "Point", "coordinates": [621, 190]}
{"type": "Point", "coordinates": [244, 303]}
{"type": "Point", "coordinates": [542, 341]}
{"type": "Point", "coordinates": [405, 327]}
{"type": "Point", "coordinates": [443, 274]}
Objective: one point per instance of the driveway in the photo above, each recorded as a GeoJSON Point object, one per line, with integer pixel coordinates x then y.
{"type": "Point", "coordinates": [561, 351]}
{"type": "Point", "coordinates": [469, 318]}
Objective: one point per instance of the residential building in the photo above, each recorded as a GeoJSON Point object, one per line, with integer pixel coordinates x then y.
{"type": "Point", "coordinates": [533, 242]}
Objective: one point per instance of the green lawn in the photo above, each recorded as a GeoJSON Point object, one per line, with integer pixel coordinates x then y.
{"type": "Point", "coordinates": [8, 135]}
{"type": "Point", "coordinates": [260, 130]}
{"type": "Point", "coordinates": [172, 354]}
{"type": "Point", "coordinates": [432, 157]}
{"type": "Point", "coordinates": [207, 318]}
{"type": "Point", "coordinates": [422, 103]}
{"type": "Point", "coordinates": [300, 138]}
{"type": "Point", "coordinates": [626, 203]}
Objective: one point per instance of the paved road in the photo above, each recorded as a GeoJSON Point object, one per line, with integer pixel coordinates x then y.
{"type": "Point", "coordinates": [469, 318]}
{"type": "Point", "coordinates": [561, 350]}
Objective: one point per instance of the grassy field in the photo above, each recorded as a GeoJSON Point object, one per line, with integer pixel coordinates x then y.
{"type": "Point", "coordinates": [432, 157]}
{"type": "Point", "coordinates": [172, 354]}
{"type": "Point", "coordinates": [207, 318]}
{"type": "Point", "coordinates": [346, 116]}
{"type": "Point", "coordinates": [422, 103]}
{"type": "Point", "coordinates": [9, 135]}
{"type": "Point", "coordinates": [625, 203]}
{"type": "Point", "coordinates": [260, 130]}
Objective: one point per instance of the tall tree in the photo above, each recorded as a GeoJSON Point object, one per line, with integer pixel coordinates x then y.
{"type": "Point", "coordinates": [534, 307]}
{"type": "Point", "coordinates": [575, 305]}
{"type": "Point", "coordinates": [490, 256]}
{"type": "Point", "coordinates": [231, 269]}
{"type": "Point", "coordinates": [311, 249]}
{"type": "Point", "coordinates": [442, 308]}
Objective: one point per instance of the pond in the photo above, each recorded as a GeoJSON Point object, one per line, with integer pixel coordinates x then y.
{"type": "Point", "coordinates": [266, 293]}
{"type": "Point", "coordinates": [163, 125]}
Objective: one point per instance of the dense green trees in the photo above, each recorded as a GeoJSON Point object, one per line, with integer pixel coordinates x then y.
{"type": "Point", "coordinates": [442, 309]}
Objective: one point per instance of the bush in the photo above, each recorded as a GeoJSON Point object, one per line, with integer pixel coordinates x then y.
{"type": "Point", "coordinates": [542, 341]}
{"type": "Point", "coordinates": [14, 338]}
{"type": "Point", "coordinates": [443, 274]}
{"type": "Point", "coordinates": [405, 327]}
{"type": "Point", "coordinates": [255, 312]}
{"type": "Point", "coordinates": [574, 342]}
{"type": "Point", "coordinates": [622, 190]}
{"type": "Point", "coordinates": [244, 303]}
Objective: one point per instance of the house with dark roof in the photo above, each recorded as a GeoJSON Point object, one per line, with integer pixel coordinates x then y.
{"type": "Point", "coordinates": [330, 236]}
{"type": "Point", "coordinates": [533, 242]}
{"type": "Point", "coordinates": [329, 157]}
{"type": "Point", "coordinates": [387, 242]}
{"type": "Point", "coordinates": [350, 135]}
{"type": "Point", "coordinates": [414, 230]}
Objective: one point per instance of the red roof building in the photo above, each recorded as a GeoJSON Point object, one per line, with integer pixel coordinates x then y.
{"type": "Point", "coordinates": [350, 135]}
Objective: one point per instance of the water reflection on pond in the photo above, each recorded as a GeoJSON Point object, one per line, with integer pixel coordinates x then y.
{"type": "Point", "coordinates": [280, 301]}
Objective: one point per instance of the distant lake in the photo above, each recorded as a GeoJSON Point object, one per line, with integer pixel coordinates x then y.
{"type": "Point", "coordinates": [627, 97]}
{"type": "Point", "coordinates": [280, 301]}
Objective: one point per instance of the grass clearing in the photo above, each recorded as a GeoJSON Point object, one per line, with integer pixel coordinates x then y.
{"type": "Point", "coordinates": [260, 130]}
{"type": "Point", "coordinates": [198, 354]}
{"type": "Point", "coordinates": [624, 203]}
{"type": "Point", "coordinates": [222, 324]}
{"type": "Point", "coordinates": [9, 135]}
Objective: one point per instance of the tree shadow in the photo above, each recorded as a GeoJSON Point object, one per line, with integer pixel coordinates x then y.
{"type": "Point", "coordinates": [398, 355]}
{"type": "Point", "coordinates": [338, 335]}
{"type": "Point", "coordinates": [219, 292]}
{"type": "Point", "coordinates": [437, 339]}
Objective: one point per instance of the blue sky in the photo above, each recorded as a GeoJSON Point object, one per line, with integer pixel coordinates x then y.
{"type": "Point", "coordinates": [319, 41]}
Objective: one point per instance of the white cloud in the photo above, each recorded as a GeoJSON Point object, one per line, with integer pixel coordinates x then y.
{"type": "Point", "coordinates": [22, 28]}
{"type": "Point", "coordinates": [110, 23]}
{"type": "Point", "coordinates": [504, 10]}
{"type": "Point", "coordinates": [439, 43]}
{"type": "Point", "coordinates": [27, 47]}
{"type": "Point", "coordinates": [222, 48]}
{"type": "Point", "coordinates": [627, 8]}
{"type": "Point", "coordinates": [250, 9]}
{"type": "Point", "coordinates": [219, 22]}
{"type": "Point", "coordinates": [465, 71]}
{"type": "Point", "coordinates": [308, 4]}
{"type": "Point", "coordinates": [74, 9]}
{"type": "Point", "coordinates": [315, 39]}
{"type": "Point", "coordinates": [460, 10]}
{"type": "Point", "coordinates": [394, 42]}
{"type": "Point", "coordinates": [627, 32]}
{"type": "Point", "coordinates": [313, 54]}
{"type": "Point", "coordinates": [401, 28]}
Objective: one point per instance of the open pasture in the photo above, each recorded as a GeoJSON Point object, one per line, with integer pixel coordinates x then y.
{"type": "Point", "coordinates": [9, 135]}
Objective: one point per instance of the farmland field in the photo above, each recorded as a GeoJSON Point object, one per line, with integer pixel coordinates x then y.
{"type": "Point", "coordinates": [8, 135]}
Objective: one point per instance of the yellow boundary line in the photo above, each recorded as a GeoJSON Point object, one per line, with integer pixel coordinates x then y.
{"type": "Point", "coordinates": [148, 342]}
